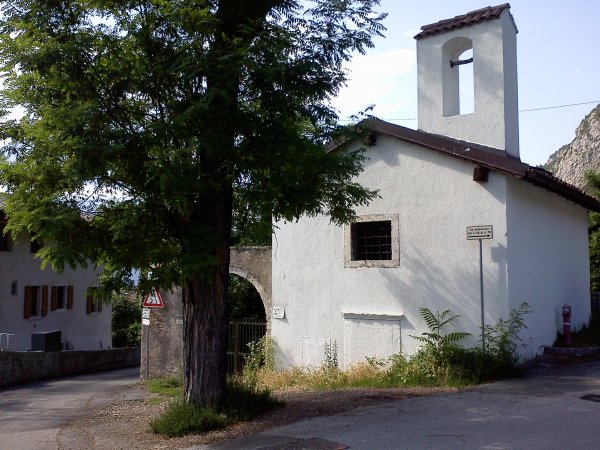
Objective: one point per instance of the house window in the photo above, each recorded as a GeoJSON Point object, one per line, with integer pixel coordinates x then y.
{"type": "Point", "coordinates": [372, 241]}
{"type": "Point", "coordinates": [5, 239]}
{"type": "Point", "coordinates": [94, 305]}
{"type": "Point", "coordinates": [59, 297]}
{"type": "Point", "coordinates": [35, 302]}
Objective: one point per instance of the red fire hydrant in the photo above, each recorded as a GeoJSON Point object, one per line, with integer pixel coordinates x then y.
{"type": "Point", "coordinates": [566, 313]}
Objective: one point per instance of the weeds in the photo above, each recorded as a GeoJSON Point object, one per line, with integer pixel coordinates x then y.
{"type": "Point", "coordinates": [239, 403]}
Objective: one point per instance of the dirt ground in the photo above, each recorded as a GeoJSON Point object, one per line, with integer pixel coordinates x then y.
{"type": "Point", "coordinates": [124, 423]}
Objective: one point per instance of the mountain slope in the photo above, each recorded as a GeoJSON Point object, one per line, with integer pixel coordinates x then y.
{"type": "Point", "coordinates": [572, 161]}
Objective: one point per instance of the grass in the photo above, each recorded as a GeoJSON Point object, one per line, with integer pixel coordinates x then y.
{"type": "Point", "coordinates": [238, 404]}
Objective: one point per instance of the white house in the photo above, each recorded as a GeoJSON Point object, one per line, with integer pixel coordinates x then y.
{"type": "Point", "coordinates": [361, 286]}
{"type": "Point", "coordinates": [34, 300]}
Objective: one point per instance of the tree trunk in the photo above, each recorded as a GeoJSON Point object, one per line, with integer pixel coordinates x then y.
{"type": "Point", "coordinates": [205, 316]}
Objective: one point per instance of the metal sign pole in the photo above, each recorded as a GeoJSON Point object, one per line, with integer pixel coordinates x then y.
{"type": "Point", "coordinates": [481, 232]}
{"type": "Point", "coordinates": [147, 348]}
{"type": "Point", "coordinates": [481, 291]}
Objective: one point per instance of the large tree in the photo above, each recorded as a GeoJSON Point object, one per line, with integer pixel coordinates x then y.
{"type": "Point", "coordinates": [143, 122]}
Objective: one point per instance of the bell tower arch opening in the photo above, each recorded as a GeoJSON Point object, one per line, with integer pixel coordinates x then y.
{"type": "Point", "coordinates": [458, 87]}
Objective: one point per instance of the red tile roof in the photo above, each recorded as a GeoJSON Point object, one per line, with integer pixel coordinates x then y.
{"type": "Point", "coordinates": [464, 20]}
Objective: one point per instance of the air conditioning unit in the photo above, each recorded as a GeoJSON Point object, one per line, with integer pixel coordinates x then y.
{"type": "Point", "coordinates": [46, 342]}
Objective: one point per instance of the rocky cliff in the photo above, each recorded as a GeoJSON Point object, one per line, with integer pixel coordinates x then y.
{"type": "Point", "coordinates": [572, 161]}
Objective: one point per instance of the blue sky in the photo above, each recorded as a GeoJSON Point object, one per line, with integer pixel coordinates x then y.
{"type": "Point", "coordinates": [558, 64]}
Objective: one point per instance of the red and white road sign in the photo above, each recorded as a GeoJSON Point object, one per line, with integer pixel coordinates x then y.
{"type": "Point", "coordinates": [153, 299]}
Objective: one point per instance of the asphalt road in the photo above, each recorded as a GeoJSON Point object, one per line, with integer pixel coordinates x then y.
{"type": "Point", "coordinates": [32, 415]}
{"type": "Point", "coordinates": [551, 408]}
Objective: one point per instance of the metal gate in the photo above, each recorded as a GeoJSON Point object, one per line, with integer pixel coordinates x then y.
{"type": "Point", "coordinates": [241, 333]}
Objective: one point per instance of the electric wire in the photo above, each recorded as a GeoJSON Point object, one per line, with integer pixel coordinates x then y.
{"type": "Point", "coordinates": [521, 110]}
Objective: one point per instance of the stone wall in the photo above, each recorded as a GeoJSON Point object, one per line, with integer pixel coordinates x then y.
{"type": "Point", "coordinates": [19, 367]}
{"type": "Point", "coordinates": [162, 339]}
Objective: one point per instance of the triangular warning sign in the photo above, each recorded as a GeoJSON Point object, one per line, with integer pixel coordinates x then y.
{"type": "Point", "coordinates": [153, 299]}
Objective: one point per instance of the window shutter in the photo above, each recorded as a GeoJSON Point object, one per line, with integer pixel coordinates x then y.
{"type": "Point", "coordinates": [27, 303]}
{"type": "Point", "coordinates": [69, 297]}
{"type": "Point", "coordinates": [44, 300]}
{"type": "Point", "coordinates": [53, 298]}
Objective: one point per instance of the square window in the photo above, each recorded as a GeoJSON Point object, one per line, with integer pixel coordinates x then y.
{"type": "Point", "coordinates": [372, 241]}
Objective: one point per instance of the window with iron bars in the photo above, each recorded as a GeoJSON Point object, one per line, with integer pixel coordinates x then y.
{"type": "Point", "coordinates": [371, 240]}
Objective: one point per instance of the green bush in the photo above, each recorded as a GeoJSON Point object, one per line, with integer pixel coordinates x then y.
{"type": "Point", "coordinates": [126, 321]}
{"type": "Point", "coordinates": [240, 402]}
{"type": "Point", "coordinates": [442, 361]}
{"type": "Point", "coordinates": [182, 418]}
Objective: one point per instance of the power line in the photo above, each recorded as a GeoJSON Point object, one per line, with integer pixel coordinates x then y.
{"type": "Point", "coordinates": [521, 110]}
{"type": "Point", "coordinates": [559, 106]}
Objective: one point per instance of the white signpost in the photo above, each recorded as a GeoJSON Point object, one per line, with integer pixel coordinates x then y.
{"type": "Point", "coordinates": [481, 232]}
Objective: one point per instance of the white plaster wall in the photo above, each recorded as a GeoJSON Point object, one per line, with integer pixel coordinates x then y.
{"type": "Point", "coordinates": [436, 199]}
{"type": "Point", "coordinates": [495, 121]}
{"type": "Point", "coordinates": [548, 261]}
{"type": "Point", "coordinates": [84, 331]}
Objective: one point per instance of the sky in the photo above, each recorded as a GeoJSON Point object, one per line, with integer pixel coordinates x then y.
{"type": "Point", "coordinates": [558, 49]}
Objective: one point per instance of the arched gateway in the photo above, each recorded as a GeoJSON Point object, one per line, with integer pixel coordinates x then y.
{"type": "Point", "coordinates": [162, 339]}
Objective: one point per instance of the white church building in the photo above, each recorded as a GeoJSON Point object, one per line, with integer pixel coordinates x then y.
{"type": "Point", "coordinates": [360, 286]}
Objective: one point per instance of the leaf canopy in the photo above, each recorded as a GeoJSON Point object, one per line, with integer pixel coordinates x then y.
{"type": "Point", "coordinates": [139, 116]}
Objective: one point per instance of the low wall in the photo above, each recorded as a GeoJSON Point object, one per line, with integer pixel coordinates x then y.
{"type": "Point", "coordinates": [18, 367]}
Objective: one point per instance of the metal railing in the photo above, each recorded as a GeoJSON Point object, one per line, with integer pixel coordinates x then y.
{"type": "Point", "coordinates": [241, 333]}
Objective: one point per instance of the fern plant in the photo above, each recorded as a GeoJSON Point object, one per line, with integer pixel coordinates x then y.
{"type": "Point", "coordinates": [436, 322]}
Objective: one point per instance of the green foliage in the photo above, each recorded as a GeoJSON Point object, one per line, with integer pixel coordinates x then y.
{"type": "Point", "coordinates": [261, 356]}
{"type": "Point", "coordinates": [243, 300]}
{"type": "Point", "coordinates": [149, 126]}
{"type": "Point", "coordinates": [442, 361]}
{"type": "Point", "coordinates": [182, 418]}
{"type": "Point", "coordinates": [170, 386]}
{"type": "Point", "coordinates": [126, 321]}
{"type": "Point", "coordinates": [593, 183]}
{"type": "Point", "coordinates": [436, 322]}
{"type": "Point", "coordinates": [138, 128]}
{"type": "Point", "coordinates": [239, 403]}
{"type": "Point", "coordinates": [502, 339]}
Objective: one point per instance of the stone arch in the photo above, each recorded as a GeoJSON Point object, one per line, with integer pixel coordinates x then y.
{"type": "Point", "coordinates": [254, 264]}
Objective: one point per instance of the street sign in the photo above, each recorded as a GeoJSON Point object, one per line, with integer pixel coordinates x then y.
{"type": "Point", "coordinates": [153, 300]}
{"type": "Point", "coordinates": [278, 312]}
{"type": "Point", "coordinates": [480, 232]}
{"type": "Point", "coordinates": [146, 313]}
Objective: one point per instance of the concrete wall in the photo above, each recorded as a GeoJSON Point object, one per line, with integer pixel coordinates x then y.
{"type": "Point", "coordinates": [548, 261]}
{"type": "Point", "coordinates": [81, 330]}
{"type": "Point", "coordinates": [435, 199]}
{"type": "Point", "coordinates": [19, 367]}
{"type": "Point", "coordinates": [495, 120]}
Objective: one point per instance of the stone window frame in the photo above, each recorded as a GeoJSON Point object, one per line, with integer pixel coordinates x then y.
{"type": "Point", "coordinates": [394, 219]}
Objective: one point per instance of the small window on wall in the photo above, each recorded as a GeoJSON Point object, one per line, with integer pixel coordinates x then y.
{"type": "Point", "coordinates": [61, 297]}
{"type": "Point", "coordinates": [94, 305]}
{"type": "Point", "coordinates": [5, 239]}
{"type": "Point", "coordinates": [35, 304]}
{"type": "Point", "coordinates": [372, 241]}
